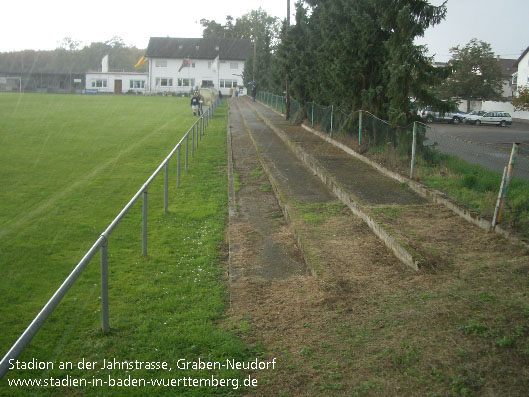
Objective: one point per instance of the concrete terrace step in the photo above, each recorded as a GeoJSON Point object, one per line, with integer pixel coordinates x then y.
{"type": "Point", "coordinates": [334, 242]}
{"type": "Point", "coordinates": [421, 233]}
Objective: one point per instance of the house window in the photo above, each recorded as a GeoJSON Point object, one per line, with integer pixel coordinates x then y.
{"type": "Point", "coordinates": [137, 84]}
{"type": "Point", "coordinates": [186, 82]}
{"type": "Point", "coordinates": [183, 82]}
{"type": "Point", "coordinates": [160, 63]}
{"type": "Point", "coordinates": [209, 65]}
{"type": "Point", "coordinates": [234, 65]}
{"type": "Point", "coordinates": [99, 83]}
{"type": "Point", "coordinates": [164, 82]}
{"type": "Point", "coordinates": [228, 83]}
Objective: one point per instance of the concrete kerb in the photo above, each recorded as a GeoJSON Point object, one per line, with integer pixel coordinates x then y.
{"type": "Point", "coordinates": [285, 208]}
{"type": "Point", "coordinates": [405, 255]}
{"type": "Point", "coordinates": [432, 195]}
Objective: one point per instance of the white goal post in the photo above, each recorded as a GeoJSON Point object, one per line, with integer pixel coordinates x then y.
{"type": "Point", "coordinates": [7, 83]}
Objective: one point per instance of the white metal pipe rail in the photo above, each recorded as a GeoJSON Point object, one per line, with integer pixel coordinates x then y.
{"type": "Point", "coordinates": [196, 131]}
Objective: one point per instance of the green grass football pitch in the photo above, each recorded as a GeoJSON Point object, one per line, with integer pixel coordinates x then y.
{"type": "Point", "coordinates": [68, 165]}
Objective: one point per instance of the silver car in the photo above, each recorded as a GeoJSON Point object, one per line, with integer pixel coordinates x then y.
{"type": "Point", "coordinates": [499, 118]}
{"type": "Point", "coordinates": [471, 117]}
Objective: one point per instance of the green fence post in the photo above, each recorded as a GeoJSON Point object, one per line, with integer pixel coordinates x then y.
{"type": "Point", "coordinates": [360, 128]}
{"type": "Point", "coordinates": [332, 113]}
{"type": "Point", "coordinates": [413, 148]}
{"type": "Point", "coordinates": [506, 181]}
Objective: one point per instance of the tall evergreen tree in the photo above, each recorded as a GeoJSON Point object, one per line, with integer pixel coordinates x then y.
{"type": "Point", "coordinates": [361, 54]}
{"type": "Point", "coordinates": [406, 65]}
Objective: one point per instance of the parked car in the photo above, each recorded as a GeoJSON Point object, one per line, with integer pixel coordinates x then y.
{"type": "Point", "coordinates": [500, 118]}
{"type": "Point", "coordinates": [430, 116]}
{"type": "Point", "coordinates": [470, 118]}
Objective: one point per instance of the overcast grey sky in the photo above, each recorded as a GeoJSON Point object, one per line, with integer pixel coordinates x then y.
{"type": "Point", "coordinates": [42, 24]}
{"type": "Point", "coordinates": [504, 24]}
{"type": "Point", "coordinates": [38, 24]}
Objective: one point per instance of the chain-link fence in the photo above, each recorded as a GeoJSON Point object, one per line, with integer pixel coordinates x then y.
{"type": "Point", "coordinates": [277, 102]}
{"type": "Point", "coordinates": [360, 130]}
{"type": "Point", "coordinates": [393, 147]}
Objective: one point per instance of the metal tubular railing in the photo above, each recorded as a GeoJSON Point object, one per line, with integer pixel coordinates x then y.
{"type": "Point", "coordinates": [102, 245]}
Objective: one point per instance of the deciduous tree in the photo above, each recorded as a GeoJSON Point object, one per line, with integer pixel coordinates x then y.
{"type": "Point", "coordinates": [476, 73]}
{"type": "Point", "coordinates": [521, 102]}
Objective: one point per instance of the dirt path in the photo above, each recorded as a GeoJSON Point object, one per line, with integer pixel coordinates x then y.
{"type": "Point", "coordinates": [355, 320]}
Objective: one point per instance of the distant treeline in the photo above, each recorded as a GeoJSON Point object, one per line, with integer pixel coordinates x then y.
{"type": "Point", "coordinates": [70, 58]}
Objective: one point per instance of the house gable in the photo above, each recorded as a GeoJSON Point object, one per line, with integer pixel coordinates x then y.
{"type": "Point", "coordinates": [522, 73]}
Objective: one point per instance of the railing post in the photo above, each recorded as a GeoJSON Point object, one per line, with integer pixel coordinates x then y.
{"type": "Point", "coordinates": [187, 150]}
{"type": "Point", "coordinates": [178, 167]}
{"type": "Point", "coordinates": [413, 149]}
{"type": "Point", "coordinates": [144, 224]}
{"type": "Point", "coordinates": [166, 188]}
{"type": "Point", "coordinates": [360, 128]}
{"type": "Point", "coordinates": [193, 142]}
{"type": "Point", "coordinates": [104, 287]}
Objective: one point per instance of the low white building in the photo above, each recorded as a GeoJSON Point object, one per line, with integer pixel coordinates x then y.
{"type": "Point", "coordinates": [116, 82]}
{"type": "Point", "coordinates": [180, 65]}
{"type": "Point", "coordinates": [106, 82]}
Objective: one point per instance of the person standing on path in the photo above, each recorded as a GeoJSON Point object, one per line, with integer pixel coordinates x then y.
{"type": "Point", "coordinates": [195, 104]}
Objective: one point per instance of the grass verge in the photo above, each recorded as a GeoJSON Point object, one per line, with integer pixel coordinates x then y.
{"type": "Point", "coordinates": [478, 188]}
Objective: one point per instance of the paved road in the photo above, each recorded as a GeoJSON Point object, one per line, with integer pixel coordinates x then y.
{"type": "Point", "coordinates": [489, 146]}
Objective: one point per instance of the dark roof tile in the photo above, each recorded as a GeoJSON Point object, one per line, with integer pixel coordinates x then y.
{"type": "Point", "coordinates": [168, 47]}
{"type": "Point", "coordinates": [507, 67]}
